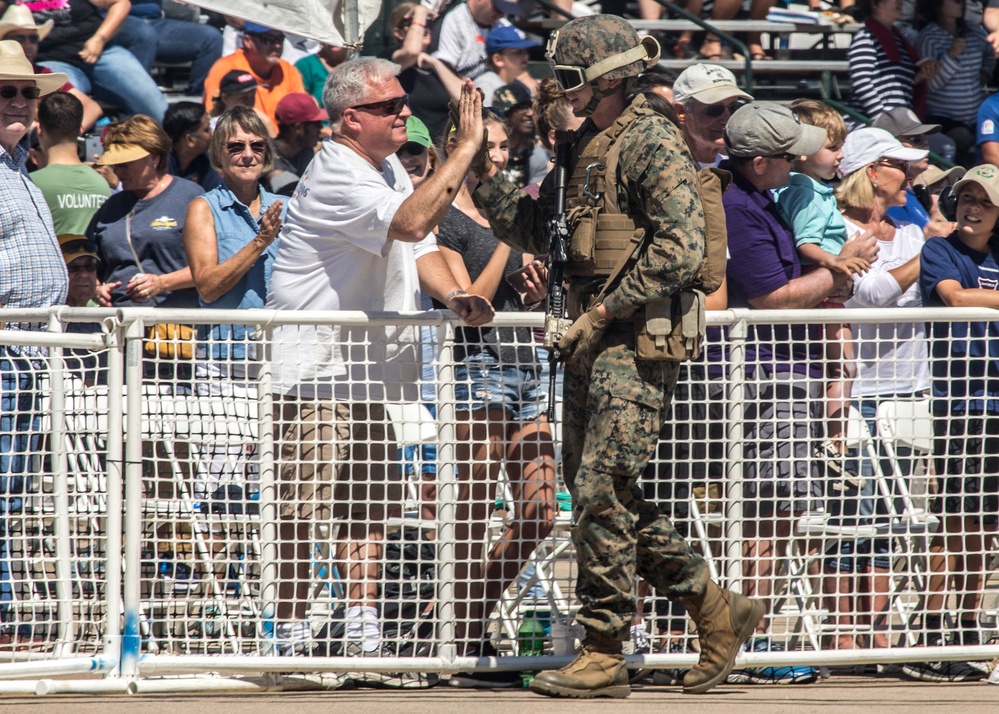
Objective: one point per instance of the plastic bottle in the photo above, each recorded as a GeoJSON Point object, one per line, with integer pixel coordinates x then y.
{"type": "Point", "coordinates": [531, 636]}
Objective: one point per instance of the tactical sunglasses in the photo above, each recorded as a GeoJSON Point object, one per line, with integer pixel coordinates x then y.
{"type": "Point", "coordinates": [572, 78]}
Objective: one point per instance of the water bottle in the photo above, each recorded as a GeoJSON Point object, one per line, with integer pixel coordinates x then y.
{"type": "Point", "coordinates": [531, 636]}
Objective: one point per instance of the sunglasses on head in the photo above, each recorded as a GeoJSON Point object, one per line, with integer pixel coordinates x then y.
{"type": "Point", "coordinates": [238, 147]}
{"type": "Point", "coordinates": [388, 107]}
{"type": "Point", "coordinates": [716, 110]}
{"type": "Point", "coordinates": [10, 92]}
{"type": "Point", "coordinates": [412, 148]}
{"type": "Point", "coordinates": [268, 38]}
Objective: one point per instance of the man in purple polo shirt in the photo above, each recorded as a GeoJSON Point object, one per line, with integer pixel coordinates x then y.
{"type": "Point", "coordinates": [784, 367]}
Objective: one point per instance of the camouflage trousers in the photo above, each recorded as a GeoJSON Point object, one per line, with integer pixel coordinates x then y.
{"type": "Point", "coordinates": [612, 414]}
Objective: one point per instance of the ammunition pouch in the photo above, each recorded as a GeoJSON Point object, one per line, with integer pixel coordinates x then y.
{"type": "Point", "coordinates": [671, 328]}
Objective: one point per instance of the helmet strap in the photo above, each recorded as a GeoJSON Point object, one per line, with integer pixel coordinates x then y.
{"type": "Point", "coordinates": [598, 96]}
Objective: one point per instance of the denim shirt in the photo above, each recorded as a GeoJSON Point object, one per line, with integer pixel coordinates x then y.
{"type": "Point", "coordinates": [235, 227]}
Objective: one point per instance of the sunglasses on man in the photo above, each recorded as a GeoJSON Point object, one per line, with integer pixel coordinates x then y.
{"type": "Point", "coordinates": [9, 92]}
{"type": "Point", "coordinates": [388, 107]}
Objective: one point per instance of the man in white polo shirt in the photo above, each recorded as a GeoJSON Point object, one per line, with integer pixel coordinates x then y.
{"type": "Point", "coordinates": [356, 237]}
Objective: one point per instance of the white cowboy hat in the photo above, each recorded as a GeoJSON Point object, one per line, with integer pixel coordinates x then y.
{"type": "Point", "coordinates": [18, 17]}
{"type": "Point", "coordinates": [14, 65]}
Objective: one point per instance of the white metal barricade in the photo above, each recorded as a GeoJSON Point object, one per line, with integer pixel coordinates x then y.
{"type": "Point", "coordinates": [155, 531]}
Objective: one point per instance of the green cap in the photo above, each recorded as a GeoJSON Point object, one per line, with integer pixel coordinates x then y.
{"type": "Point", "coordinates": [417, 132]}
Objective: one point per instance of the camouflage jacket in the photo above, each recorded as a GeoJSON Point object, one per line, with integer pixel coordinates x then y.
{"type": "Point", "coordinates": [656, 179]}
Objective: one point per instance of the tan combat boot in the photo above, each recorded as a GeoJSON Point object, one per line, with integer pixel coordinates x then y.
{"type": "Point", "coordinates": [725, 620]}
{"type": "Point", "coordinates": [594, 673]}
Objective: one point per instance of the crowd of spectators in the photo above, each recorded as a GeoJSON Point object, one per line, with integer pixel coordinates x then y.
{"type": "Point", "coordinates": [183, 208]}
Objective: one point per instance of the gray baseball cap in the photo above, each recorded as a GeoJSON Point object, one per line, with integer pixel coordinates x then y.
{"type": "Point", "coordinates": [902, 121]}
{"type": "Point", "coordinates": [768, 129]}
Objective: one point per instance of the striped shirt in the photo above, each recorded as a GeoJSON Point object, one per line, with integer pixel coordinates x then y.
{"type": "Point", "coordinates": [955, 91]}
{"type": "Point", "coordinates": [32, 269]}
{"type": "Point", "coordinates": [876, 83]}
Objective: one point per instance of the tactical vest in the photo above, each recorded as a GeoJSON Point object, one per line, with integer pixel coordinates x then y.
{"type": "Point", "coordinates": [599, 231]}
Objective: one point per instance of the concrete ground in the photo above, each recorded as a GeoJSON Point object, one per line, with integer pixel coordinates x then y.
{"type": "Point", "coordinates": [839, 694]}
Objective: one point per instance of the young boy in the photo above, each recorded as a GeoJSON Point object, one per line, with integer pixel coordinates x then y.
{"type": "Point", "coordinates": [809, 207]}
{"type": "Point", "coordinates": [961, 270]}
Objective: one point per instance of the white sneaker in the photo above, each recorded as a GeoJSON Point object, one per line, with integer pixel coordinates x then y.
{"type": "Point", "coordinates": [288, 639]}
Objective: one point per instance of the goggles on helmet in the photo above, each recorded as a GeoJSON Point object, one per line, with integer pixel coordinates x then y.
{"type": "Point", "coordinates": [572, 78]}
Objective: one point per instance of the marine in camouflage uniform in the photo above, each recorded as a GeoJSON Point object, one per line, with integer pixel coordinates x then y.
{"type": "Point", "coordinates": [615, 403]}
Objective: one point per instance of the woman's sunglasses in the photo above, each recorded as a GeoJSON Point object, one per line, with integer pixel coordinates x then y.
{"type": "Point", "coordinates": [238, 147]}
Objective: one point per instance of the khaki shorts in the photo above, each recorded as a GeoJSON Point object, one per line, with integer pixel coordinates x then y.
{"type": "Point", "coordinates": [337, 460]}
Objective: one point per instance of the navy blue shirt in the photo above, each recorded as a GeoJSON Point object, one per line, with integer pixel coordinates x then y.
{"type": "Point", "coordinates": [200, 171]}
{"type": "Point", "coordinates": [965, 354]}
{"type": "Point", "coordinates": [762, 259]}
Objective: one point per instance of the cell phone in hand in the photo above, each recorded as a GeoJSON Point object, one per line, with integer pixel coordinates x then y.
{"type": "Point", "coordinates": [518, 278]}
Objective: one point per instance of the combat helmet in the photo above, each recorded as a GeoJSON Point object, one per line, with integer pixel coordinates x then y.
{"type": "Point", "coordinates": [598, 46]}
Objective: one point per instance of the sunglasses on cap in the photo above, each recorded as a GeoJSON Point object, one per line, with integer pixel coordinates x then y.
{"type": "Point", "coordinates": [268, 38]}
{"type": "Point", "coordinates": [238, 147]}
{"type": "Point", "coordinates": [75, 246]}
{"type": "Point", "coordinates": [9, 92]}
{"type": "Point", "coordinates": [389, 107]}
{"type": "Point", "coordinates": [412, 149]}
{"type": "Point", "coordinates": [716, 110]}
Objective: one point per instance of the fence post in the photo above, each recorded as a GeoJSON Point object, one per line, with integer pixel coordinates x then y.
{"type": "Point", "coordinates": [131, 642]}
{"type": "Point", "coordinates": [735, 418]}
{"type": "Point", "coordinates": [115, 511]}
{"type": "Point", "coordinates": [447, 490]}
{"type": "Point", "coordinates": [269, 555]}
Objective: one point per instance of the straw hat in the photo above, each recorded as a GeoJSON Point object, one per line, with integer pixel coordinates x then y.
{"type": "Point", "coordinates": [18, 17]}
{"type": "Point", "coordinates": [14, 65]}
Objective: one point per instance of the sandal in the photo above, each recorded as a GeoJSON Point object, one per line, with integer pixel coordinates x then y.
{"type": "Point", "coordinates": [833, 461]}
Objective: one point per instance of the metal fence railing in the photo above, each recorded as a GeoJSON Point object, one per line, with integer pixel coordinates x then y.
{"type": "Point", "coordinates": [179, 504]}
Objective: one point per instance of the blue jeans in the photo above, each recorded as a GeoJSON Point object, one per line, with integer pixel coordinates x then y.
{"type": "Point", "coordinates": [20, 440]}
{"type": "Point", "coordinates": [119, 79]}
{"type": "Point", "coordinates": [173, 42]}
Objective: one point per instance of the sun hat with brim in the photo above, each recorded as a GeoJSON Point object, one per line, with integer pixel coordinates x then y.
{"type": "Point", "coordinates": [77, 246]}
{"type": "Point", "coordinates": [18, 17]}
{"type": "Point", "coordinates": [14, 65]}
{"type": "Point", "coordinates": [935, 174]}
{"type": "Point", "coordinates": [867, 145]}
{"type": "Point", "coordinates": [768, 129]}
{"type": "Point", "coordinates": [986, 176]}
{"type": "Point", "coordinates": [115, 154]}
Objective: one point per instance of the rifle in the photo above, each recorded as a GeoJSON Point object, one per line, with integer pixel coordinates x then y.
{"type": "Point", "coordinates": [556, 321]}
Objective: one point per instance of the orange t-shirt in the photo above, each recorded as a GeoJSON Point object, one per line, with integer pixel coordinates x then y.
{"type": "Point", "coordinates": [284, 80]}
